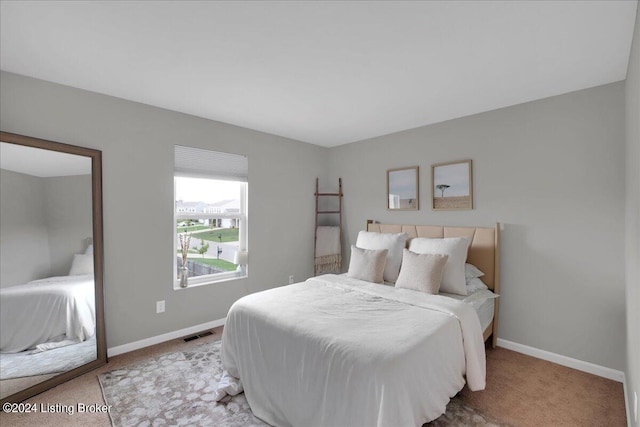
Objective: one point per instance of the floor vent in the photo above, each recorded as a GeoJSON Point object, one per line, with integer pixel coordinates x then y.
{"type": "Point", "coordinates": [200, 335]}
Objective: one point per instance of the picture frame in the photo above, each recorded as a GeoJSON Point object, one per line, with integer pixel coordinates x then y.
{"type": "Point", "coordinates": [403, 189]}
{"type": "Point", "coordinates": [452, 186]}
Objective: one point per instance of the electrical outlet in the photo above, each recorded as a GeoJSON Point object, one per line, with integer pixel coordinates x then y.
{"type": "Point", "coordinates": [291, 279]}
{"type": "Point", "coordinates": [160, 306]}
{"type": "Point", "coordinates": [635, 406]}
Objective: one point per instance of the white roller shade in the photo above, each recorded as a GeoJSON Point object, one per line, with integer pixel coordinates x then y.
{"type": "Point", "coordinates": [197, 162]}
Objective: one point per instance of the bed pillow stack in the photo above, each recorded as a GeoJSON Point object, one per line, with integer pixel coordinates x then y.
{"type": "Point", "coordinates": [394, 243]}
{"type": "Point", "coordinates": [430, 265]}
{"type": "Point", "coordinates": [453, 279]}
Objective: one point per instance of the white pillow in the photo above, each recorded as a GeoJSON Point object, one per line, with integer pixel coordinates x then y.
{"type": "Point", "coordinates": [366, 264]}
{"type": "Point", "coordinates": [82, 264]}
{"type": "Point", "coordinates": [394, 243]}
{"type": "Point", "coordinates": [475, 284]}
{"type": "Point", "coordinates": [471, 271]}
{"type": "Point", "coordinates": [453, 281]}
{"type": "Point", "coordinates": [421, 272]}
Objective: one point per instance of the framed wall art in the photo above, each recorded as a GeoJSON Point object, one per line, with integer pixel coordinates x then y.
{"type": "Point", "coordinates": [402, 189]}
{"type": "Point", "coordinates": [452, 186]}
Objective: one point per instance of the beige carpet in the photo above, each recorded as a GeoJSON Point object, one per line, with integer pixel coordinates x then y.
{"type": "Point", "coordinates": [521, 391]}
{"type": "Point", "coordinates": [526, 391]}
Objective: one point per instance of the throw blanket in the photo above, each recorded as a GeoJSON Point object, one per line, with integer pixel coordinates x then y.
{"type": "Point", "coordinates": [328, 250]}
{"type": "Point", "coordinates": [397, 355]}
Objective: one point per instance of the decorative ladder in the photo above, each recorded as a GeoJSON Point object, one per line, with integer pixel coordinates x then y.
{"type": "Point", "coordinates": [319, 212]}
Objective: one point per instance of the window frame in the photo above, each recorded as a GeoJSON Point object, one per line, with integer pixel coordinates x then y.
{"type": "Point", "coordinates": [242, 271]}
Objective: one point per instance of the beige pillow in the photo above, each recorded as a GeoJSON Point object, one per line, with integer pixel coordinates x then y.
{"type": "Point", "coordinates": [367, 264]}
{"type": "Point", "coordinates": [421, 272]}
{"type": "Point", "coordinates": [453, 280]}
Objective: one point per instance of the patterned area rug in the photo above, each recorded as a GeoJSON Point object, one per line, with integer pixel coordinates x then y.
{"type": "Point", "coordinates": [177, 389]}
{"type": "Point", "coordinates": [26, 364]}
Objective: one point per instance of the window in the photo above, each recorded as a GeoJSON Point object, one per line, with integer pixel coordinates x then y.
{"type": "Point", "coordinates": [210, 216]}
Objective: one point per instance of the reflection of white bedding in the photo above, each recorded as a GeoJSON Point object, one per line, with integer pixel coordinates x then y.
{"type": "Point", "coordinates": [48, 311]}
{"type": "Point", "coordinates": [340, 351]}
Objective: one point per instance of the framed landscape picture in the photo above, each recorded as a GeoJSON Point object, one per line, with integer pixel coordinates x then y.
{"type": "Point", "coordinates": [402, 189]}
{"type": "Point", "coordinates": [452, 186]}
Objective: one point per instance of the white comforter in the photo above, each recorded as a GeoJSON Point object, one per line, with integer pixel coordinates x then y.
{"type": "Point", "coordinates": [47, 313]}
{"type": "Point", "coordinates": [334, 351]}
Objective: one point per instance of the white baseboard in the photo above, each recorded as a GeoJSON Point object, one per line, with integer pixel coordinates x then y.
{"type": "Point", "coordinates": [125, 348]}
{"type": "Point", "coordinates": [569, 362]}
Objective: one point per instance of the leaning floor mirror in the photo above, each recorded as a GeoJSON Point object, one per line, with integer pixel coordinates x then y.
{"type": "Point", "coordinates": [51, 268]}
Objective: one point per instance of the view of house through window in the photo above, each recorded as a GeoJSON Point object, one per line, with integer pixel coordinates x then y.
{"type": "Point", "coordinates": [209, 220]}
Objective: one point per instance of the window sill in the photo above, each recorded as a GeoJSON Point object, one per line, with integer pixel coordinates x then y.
{"type": "Point", "coordinates": [229, 278]}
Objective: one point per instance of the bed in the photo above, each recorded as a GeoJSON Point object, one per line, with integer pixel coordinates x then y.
{"type": "Point", "coordinates": [47, 313]}
{"type": "Point", "coordinates": [337, 350]}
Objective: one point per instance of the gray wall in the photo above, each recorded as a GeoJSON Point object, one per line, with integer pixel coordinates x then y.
{"type": "Point", "coordinates": [69, 219]}
{"type": "Point", "coordinates": [24, 248]}
{"type": "Point", "coordinates": [43, 222]}
{"type": "Point", "coordinates": [137, 145]}
{"type": "Point", "coordinates": [633, 220]}
{"type": "Point", "coordinates": [553, 172]}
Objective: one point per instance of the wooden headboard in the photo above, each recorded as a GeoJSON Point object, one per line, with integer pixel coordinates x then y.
{"type": "Point", "coordinates": [484, 251]}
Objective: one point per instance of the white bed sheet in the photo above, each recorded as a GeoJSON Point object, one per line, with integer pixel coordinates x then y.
{"type": "Point", "coordinates": [482, 301]}
{"type": "Point", "coordinates": [337, 351]}
{"type": "Point", "coordinates": [48, 312]}
{"type": "Point", "coordinates": [486, 312]}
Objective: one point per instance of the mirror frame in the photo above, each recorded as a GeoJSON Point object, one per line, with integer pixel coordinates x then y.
{"type": "Point", "coordinates": [98, 256]}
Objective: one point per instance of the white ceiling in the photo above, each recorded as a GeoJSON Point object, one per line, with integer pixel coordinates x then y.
{"type": "Point", "coordinates": [326, 73]}
{"type": "Point", "coordinates": [42, 163]}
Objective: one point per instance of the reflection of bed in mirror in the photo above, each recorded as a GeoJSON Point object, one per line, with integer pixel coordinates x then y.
{"type": "Point", "coordinates": [51, 312]}
{"type": "Point", "coordinates": [69, 317]}
{"type": "Point", "coordinates": [47, 326]}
